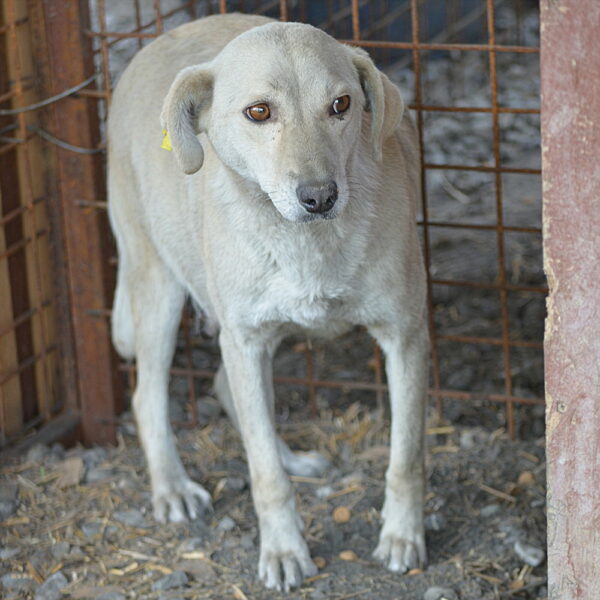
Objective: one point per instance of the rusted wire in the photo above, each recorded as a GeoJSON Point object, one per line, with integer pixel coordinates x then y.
{"type": "Point", "coordinates": [497, 169]}
{"type": "Point", "coordinates": [31, 227]}
{"type": "Point", "coordinates": [359, 28]}
{"type": "Point", "coordinates": [414, 12]}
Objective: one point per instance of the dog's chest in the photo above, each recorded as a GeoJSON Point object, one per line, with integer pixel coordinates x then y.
{"type": "Point", "coordinates": [312, 297]}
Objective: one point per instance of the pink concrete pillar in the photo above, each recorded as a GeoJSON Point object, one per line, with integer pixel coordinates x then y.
{"type": "Point", "coordinates": [570, 70]}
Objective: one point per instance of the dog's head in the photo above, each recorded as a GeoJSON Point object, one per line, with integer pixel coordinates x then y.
{"type": "Point", "coordinates": [285, 106]}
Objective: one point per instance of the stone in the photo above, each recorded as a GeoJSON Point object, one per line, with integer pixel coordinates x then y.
{"type": "Point", "coordinates": [131, 517]}
{"type": "Point", "coordinates": [435, 521]}
{"type": "Point", "coordinates": [226, 524]}
{"type": "Point", "coordinates": [531, 555]}
{"type": "Point", "coordinates": [52, 587]}
{"type": "Point", "coordinates": [92, 456]}
{"type": "Point", "coordinates": [59, 550]}
{"type": "Point", "coordinates": [172, 580]}
{"type": "Point", "coordinates": [190, 545]}
{"type": "Point", "coordinates": [8, 499]}
{"type": "Point", "coordinates": [440, 593]}
{"type": "Point", "coordinates": [489, 510]}
{"type": "Point", "coordinates": [91, 528]}
{"type": "Point", "coordinates": [236, 484]}
{"type": "Point", "coordinates": [323, 491]}
{"type": "Point", "coordinates": [17, 582]}
{"type": "Point", "coordinates": [111, 596]}
{"type": "Point", "coordinates": [9, 552]}
{"type": "Point", "coordinates": [247, 541]}
{"type": "Point", "coordinates": [98, 474]}
{"type": "Point", "coordinates": [36, 453]}
{"type": "Point", "coordinates": [208, 408]}
{"type": "Point", "coordinates": [198, 568]}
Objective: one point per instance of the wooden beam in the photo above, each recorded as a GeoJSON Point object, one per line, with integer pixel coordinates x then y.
{"type": "Point", "coordinates": [65, 60]}
{"type": "Point", "coordinates": [11, 411]}
{"type": "Point", "coordinates": [570, 76]}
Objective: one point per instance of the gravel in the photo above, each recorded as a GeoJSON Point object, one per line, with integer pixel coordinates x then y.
{"type": "Point", "coordinates": [440, 593]}
{"type": "Point", "coordinates": [8, 499]}
{"type": "Point", "coordinates": [51, 588]}
{"type": "Point", "coordinates": [532, 555]}
{"type": "Point", "coordinates": [170, 581]}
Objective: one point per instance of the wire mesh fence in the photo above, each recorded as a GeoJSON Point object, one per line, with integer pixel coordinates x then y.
{"type": "Point", "coordinates": [469, 72]}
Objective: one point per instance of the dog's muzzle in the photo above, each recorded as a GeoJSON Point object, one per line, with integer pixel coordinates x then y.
{"type": "Point", "coordinates": [317, 197]}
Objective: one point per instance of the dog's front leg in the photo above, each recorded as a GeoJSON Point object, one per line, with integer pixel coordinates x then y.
{"type": "Point", "coordinates": [402, 539]}
{"type": "Point", "coordinates": [284, 557]}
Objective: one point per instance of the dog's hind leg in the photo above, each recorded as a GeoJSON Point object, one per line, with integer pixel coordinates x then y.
{"type": "Point", "coordinates": [122, 328]}
{"type": "Point", "coordinates": [303, 464]}
{"type": "Point", "coordinates": [157, 300]}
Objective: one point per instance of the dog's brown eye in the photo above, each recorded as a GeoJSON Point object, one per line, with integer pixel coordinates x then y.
{"type": "Point", "coordinates": [340, 105]}
{"type": "Point", "coordinates": [258, 112]}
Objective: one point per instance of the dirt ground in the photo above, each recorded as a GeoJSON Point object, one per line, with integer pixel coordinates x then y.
{"type": "Point", "coordinates": [83, 516]}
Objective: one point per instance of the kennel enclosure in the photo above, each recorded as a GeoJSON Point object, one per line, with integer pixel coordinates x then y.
{"type": "Point", "coordinates": [58, 371]}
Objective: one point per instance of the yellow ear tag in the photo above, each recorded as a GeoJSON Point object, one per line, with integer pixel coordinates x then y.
{"type": "Point", "coordinates": [166, 143]}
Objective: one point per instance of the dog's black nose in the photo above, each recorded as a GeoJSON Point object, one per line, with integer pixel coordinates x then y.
{"type": "Point", "coordinates": [317, 197]}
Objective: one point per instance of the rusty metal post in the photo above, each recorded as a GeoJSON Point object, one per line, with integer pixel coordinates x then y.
{"type": "Point", "coordinates": [66, 59]}
{"type": "Point", "coordinates": [570, 142]}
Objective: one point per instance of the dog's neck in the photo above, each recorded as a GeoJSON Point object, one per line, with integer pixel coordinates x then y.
{"type": "Point", "coordinates": [321, 258]}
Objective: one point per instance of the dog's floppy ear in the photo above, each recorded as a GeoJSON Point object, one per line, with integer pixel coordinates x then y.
{"type": "Point", "coordinates": [189, 97]}
{"type": "Point", "coordinates": [384, 101]}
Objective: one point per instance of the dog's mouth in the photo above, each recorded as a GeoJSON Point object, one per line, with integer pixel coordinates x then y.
{"type": "Point", "coordinates": [292, 210]}
{"type": "Point", "coordinates": [326, 216]}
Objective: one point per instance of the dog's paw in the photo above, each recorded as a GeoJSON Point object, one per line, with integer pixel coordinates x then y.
{"type": "Point", "coordinates": [284, 557]}
{"type": "Point", "coordinates": [179, 501]}
{"type": "Point", "coordinates": [401, 547]}
{"type": "Point", "coordinates": [400, 554]}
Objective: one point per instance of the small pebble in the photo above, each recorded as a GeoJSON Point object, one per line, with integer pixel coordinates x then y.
{"type": "Point", "coordinates": [490, 510]}
{"type": "Point", "coordinates": [93, 456]}
{"type": "Point", "coordinates": [58, 451]}
{"type": "Point", "coordinates": [170, 581]}
{"type": "Point", "coordinates": [341, 514]}
{"type": "Point", "coordinates": [8, 499]}
{"type": "Point", "coordinates": [348, 555]}
{"type": "Point", "coordinates": [91, 528]}
{"type": "Point", "coordinates": [98, 474]}
{"type": "Point", "coordinates": [110, 596]}
{"type": "Point", "coordinates": [237, 484]}
{"type": "Point", "coordinates": [52, 587]}
{"type": "Point", "coordinates": [132, 517]}
{"type": "Point", "coordinates": [59, 550]}
{"type": "Point", "coordinates": [191, 544]}
{"type": "Point", "coordinates": [320, 562]}
{"type": "Point", "coordinates": [247, 541]}
{"type": "Point", "coordinates": [435, 522]}
{"type": "Point", "coordinates": [9, 552]}
{"type": "Point", "coordinates": [226, 524]}
{"type": "Point", "coordinates": [208, 407]}
{"type": "Point", "coordinates": [16, 582]}
{"type": "Point", "coordinates": [323, 491]}
{"type": "Point", "coordinates": [440, 593]}
{"type": "Point", "coordinates": [526, 478]}
{"type": "Point", "coordinates": [129, 428]}
{"type": "Point", "coordinates": [36, 453]}
{"type": "Point", "coordinates": [529, 554]}
{"type": "Point", "coordinates": [468, 439]}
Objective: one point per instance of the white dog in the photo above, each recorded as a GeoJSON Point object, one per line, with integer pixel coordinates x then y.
{"type": "Point", "coordinates": [288, 204]}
